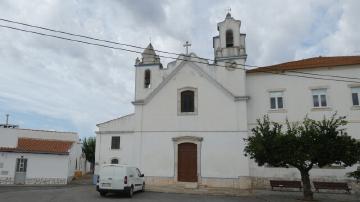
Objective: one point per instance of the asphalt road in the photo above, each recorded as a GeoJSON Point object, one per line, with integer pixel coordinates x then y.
{"type": "Point", "coordinates": [87, 193]}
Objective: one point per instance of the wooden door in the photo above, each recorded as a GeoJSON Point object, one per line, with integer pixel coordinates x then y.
{"type": "Point", "coordinates": [187, 162]}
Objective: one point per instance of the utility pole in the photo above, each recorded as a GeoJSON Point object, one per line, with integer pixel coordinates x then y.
{"type": "Point", "coordinates": [7, 125]}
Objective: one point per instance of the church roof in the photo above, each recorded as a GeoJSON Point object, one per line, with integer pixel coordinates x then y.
{"type": "Point", "coordinates": [43, 146]}
{"type": "Point", "coordinates": [310, 63]}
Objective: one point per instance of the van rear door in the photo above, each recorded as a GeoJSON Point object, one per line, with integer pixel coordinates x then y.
{"type": "Point", "coordinates": [118, 178]}
{"type": "Point", "coordinates": [106, 177]}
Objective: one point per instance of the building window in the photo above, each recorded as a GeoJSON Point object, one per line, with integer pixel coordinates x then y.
{"type": "Point", "coordinates": [355, 94]}
{"type": "Point", "coordinates": [115, 142]}
{"type": "Point", "coordinates": [276, 100]}
{"type": "Point", "coordinates": [147, 78]}
{"type": "Point", "coordinates": [187, 101]}
{"type": "Point", "coordinates": [229, 38]}
{"type": "Point", "coordinates": [319, 98]}
{"type": "Point", "coordinates": [114, 161]}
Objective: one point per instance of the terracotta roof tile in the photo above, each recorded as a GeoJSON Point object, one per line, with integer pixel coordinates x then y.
{"type": "Point", "coordinates": [7, 149]}
{"type": "Point", "coordinates": [30, 145]}
{"type": "Point", "coordinates": [310, 63]}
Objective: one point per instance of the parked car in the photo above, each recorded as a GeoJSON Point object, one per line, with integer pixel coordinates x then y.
{"type": "Point", "coordinates": [114, 178]}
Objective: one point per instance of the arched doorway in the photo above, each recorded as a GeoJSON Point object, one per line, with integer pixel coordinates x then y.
{"type": "Point", "coordinates": [187, 162]}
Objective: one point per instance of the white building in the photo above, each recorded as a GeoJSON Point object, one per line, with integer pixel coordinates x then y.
{"type": "Point", "coordinates": [39, 157]}
{"type": "Point", "coordinates": [191, 118]}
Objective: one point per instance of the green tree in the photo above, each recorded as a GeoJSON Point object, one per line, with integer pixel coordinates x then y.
{"type": "Point", "coordinates": [302, 145]}
{"type": "Point", "coordinates": [88, 148]}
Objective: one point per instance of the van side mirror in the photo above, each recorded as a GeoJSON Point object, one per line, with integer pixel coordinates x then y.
{"type": "Point", "coordinates": [142, 175]}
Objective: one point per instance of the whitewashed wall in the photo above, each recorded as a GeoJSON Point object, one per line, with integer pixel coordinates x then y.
{"type": "Point", "coordinates": [298, 104]}
{"type": "Point", "coordinates": [8, 165]}
{"type": "Point", "coordinates": [104, 153]}
{"type": "Point", "coordinates": [220, 121]}
{"type": "Point", "coordinates": [219, 157]}
{"type": "Point", "coordinates": [161, 112]}
{"type": "Point", "coordinates": [41, 168]}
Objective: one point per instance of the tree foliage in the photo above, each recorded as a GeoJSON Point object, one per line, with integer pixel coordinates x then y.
{"type": "Point", "coordinates": [88, 148]}
{"type": "Point", "coordinates": [303, 145]}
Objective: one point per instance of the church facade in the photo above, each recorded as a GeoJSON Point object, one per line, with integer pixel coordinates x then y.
{"type": "Point", "coordinates": [190, 118]}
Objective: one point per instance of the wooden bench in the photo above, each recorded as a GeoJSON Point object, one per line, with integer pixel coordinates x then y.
{"type": "Point", "coordinates": [332, 186]}
{"type": "Point", "coordinates": [285, 184]}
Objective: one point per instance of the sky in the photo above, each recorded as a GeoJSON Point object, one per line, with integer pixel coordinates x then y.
{"type": "Point", "coordinates": [52, 84]}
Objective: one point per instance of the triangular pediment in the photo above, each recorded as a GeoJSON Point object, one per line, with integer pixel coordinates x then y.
{"type": "Point", "coordinates": [200, 71]}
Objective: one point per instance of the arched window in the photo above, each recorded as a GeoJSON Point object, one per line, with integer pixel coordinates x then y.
{"type": "Point", "coordinates": [147, 78]}
{"type": "Point", "coordinates": [187, 101]}
{"type": "Point", "coordinates": [229, 38]}
{"type": "Point", "coordinates": [114, 161]}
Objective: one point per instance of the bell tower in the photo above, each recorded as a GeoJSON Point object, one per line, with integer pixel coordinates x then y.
{"type": "Point", "coordinates": [230, 43]}
{"type": "Point", "coordinates": [148, 73]}
{"type": "Point", "coordinates": [230, 55]}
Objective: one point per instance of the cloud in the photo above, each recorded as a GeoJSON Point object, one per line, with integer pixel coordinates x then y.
{"type": "Point", "coordinates": [86, 85]}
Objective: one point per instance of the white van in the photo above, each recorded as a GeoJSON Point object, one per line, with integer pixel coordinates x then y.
{"type": "Point", "coordinates": [120, 178]}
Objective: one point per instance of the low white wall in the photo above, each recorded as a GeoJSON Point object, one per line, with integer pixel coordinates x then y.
{"type": "Point", "coordinates": [41, 168]}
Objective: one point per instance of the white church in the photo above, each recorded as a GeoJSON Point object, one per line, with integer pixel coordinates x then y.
{"type": "Point", "coordinates": [191, 116]}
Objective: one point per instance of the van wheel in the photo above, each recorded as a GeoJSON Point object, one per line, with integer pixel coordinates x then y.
{"type": "Point", "coordinates": [102, 193]}
{"type": "Point", "coordinates": [143, 187]}
{"type": "Point", "coordinates": [131, 192]}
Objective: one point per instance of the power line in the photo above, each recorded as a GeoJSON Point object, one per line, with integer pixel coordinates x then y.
{"type": "Point", "coordinates": [133, 51]}
{"type": "Point", "coordinates": [88, 37]}
{"type": "Point", "coordinates": [161, 51]}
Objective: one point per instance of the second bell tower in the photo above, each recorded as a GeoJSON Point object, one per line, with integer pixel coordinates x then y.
{"type": "Point", "coordinates": [229, 45]}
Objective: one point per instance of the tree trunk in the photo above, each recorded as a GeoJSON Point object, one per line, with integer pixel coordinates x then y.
{"type": "Point", "coordinates": [92, 167]}
{"type": "Point", "coordinates": [305, 178]}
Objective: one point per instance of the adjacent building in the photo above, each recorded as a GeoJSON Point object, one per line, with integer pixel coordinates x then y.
{"type": "Point", "coordinates": [191, 118]}
{"type": "Point", "coordinates": [39, 157]}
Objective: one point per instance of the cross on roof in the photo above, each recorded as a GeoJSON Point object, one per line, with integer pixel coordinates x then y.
{"type": "Point", "coordinates": [187, 45]}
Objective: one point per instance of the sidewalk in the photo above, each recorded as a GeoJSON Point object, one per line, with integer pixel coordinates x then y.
{"type": "Point", "coordinates": [266, 195]}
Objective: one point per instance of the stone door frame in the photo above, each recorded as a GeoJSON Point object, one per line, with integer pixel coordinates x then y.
{"type": "Point", "coordinates": [187, 139]}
